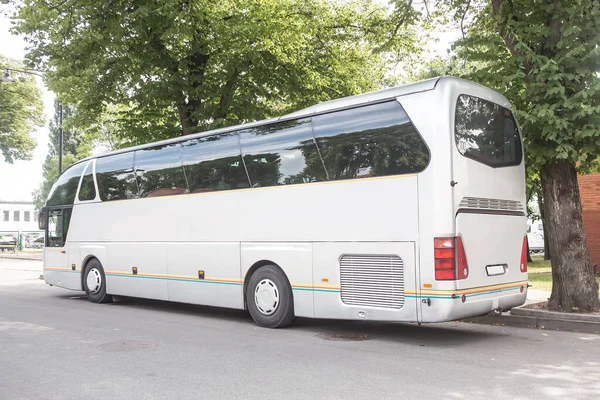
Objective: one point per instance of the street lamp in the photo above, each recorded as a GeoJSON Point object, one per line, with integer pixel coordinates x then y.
{"type": "Point", "coordinates": [7, 78]}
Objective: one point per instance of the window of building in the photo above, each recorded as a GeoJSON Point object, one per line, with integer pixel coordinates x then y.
{"type": "Point", "coordinates": [368, 141]}
{"type": "Point", "coordinates": [214, 163]}
{"type": "Point", "coordinates": [159, 171]}
{"type": "Point", "coordinates": [487, 132]}
{"type": "Point", "coordinates": [17, 216]}
{"type": "Point", "coordinates": [282, 154]}
{"type": "Point", "coordinates": [26, 216]}
{"type": "Point", "coordinates": [5, 215]}
{"type": "Point", "coordinates": [116, 180]}
{"type": "Point", "coordinates": [35, 215]}
{"type": "Point", "coordinates": [63, 191]}
{"type": "Point", "coordinates": [87, 191]}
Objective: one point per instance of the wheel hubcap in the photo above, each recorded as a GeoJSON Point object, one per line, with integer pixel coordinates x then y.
{"type": "Point", "coordinates": [266, 297]}
{"type": "Point", "coordinates": [94, 280]}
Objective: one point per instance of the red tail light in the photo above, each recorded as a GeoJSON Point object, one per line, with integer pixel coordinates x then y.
{"type": "Point", "coordinates": [450, 259]}
{"type": "Point", "coordinates": [524, 255]}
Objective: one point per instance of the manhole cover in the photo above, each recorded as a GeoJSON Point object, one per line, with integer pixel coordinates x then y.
{"type": "Point", "coordinates": [126, 345]}
{"type": "Point", "coordinates": [342, 337]}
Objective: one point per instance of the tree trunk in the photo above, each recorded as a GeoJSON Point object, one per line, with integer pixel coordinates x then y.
{"type": "Point", "coordinates": [528, 253]}
{"type": "Point", "coordinates": [573, 284]}
{"type": "Point", "coordinates": [187, 123]}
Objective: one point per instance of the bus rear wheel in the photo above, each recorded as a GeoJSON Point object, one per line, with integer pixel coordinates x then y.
{"type": "Point", "coordinates": [94, 282]}
{"type": "Point", "coordinates": [269, 298]}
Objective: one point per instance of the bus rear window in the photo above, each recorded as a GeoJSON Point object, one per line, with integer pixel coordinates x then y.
{"type": "Point", "coordinates": [487, 132]}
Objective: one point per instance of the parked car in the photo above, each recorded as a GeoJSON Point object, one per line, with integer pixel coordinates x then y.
{"type": "Point", "coordinates": [8, 242]}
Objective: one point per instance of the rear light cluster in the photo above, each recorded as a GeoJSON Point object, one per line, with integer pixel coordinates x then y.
{"type": "Point", "coordinates": [524, 255]}
{"type": "Point", "coordinates": [450, 259]}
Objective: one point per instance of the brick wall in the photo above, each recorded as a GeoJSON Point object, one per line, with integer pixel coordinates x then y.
{"type": "Point", "coordinates": [589, 187]}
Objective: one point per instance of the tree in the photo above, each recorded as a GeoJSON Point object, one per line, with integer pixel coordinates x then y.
{"type": "Point", "coordinates": [75, 146]}
{"type": "Point", "coordinates": [545, 57]}
{"type": "Point", "coordinates": [21, 113]}
{"type": "Point", "coordinates": [175, 67]}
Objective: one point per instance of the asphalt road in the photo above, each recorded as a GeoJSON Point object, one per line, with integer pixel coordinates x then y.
{"type": "Point", "coordinates": [54, 344]}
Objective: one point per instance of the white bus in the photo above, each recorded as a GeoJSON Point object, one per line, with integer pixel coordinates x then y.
{"type": "Point", "coordinates": [405, 204]}
{"type": "Point", "coordinates": [535, 235]}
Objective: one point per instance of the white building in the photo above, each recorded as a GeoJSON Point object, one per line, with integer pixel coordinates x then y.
{"type": "Point", "coordinates": [18, 216]}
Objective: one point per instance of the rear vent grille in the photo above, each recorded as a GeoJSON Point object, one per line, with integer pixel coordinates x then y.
{"type": "Point", "coordinates": [477, 203]}
{"type": "Point", "coordinates": [369, 280]}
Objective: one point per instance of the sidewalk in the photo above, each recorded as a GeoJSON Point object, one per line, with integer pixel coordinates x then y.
{"type": "Point", "coordinates": [22, 255]}
{"type": "Point", "coordinates": [541, 319]}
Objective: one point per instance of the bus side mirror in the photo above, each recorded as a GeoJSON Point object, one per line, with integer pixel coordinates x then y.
{"type": "Point", "coordinates": [42, 219]}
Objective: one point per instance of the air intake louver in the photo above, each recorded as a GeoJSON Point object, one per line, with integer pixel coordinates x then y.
{"type": "Point", "coordinates": [370, 280]}
{"type": "Point", "coordinates": [477, 203]}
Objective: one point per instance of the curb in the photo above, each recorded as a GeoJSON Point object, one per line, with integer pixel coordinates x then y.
{"type": "Point", "coordinates": [528, 312]}
{"type": "Point", "coordinates": [28, 258]}
{"type": "Point", "coordinates": [545, 322]}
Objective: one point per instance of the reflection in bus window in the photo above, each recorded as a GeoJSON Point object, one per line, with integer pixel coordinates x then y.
{"type": "Point", "coordinates": [87, 191]}
{"type": "Point", "coordinates": [487, 132]}
{"type": "Point", "coordinates": [214, 163]}
{"type": "Point", "coordinates": [282, 154]}
{"type": "Point", "coordinates": [159, 171]}
{"type": "Point", "coordinates": [116, 180]}
{"type": "Point", "coordinates": [63, 191]}
{"type": "Point", "coordinates": [375, 140]}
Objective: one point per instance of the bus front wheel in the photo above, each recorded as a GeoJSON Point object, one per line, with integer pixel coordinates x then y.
{"type": "Point", "coordinates": [94, 282]}
{"type": "Point", "coordinates": [269, 298]}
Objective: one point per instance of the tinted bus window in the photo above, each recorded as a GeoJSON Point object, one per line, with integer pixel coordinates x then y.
{"type": "Point", "coordinates": [116, 180]}
{"type": "Point", "coordinates": [87, 191]}
{"type": "Point", "coordinates": [63, 191]}
{"type": "Point", "coordinates": [487, 132]}
{"type": "Point", "coordinates": [214, 163]}
{"type": "Point", "coordinates": [374, 140]}
{"type": "Point", "coordinates": [159, 171]}
{"type": "Point", "coordinates": [282, 154]}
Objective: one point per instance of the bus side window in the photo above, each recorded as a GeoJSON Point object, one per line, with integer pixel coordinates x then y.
{"type": "Point", "coordinates": [159, 171]}
{"type": "Point", "coordinates": [116, 180]}
{"type": "Point", "coordinates": [214, 163]}
{"type": "Point", "coordinates": [373, 140]}
{"type": "Point", "coordinates": [87, 191]}
{"type": "Point", "coordinates": [284, 153]}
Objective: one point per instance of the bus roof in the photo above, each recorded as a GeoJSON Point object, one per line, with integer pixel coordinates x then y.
{"type": "Point", "coordinates": [337, 104]}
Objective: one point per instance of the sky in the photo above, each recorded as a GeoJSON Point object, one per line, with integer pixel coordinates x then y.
{"type": "Point", "coordinates": [20, 179]}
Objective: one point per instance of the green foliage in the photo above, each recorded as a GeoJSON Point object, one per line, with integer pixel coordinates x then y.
{"type": "Point", "coordinates": [545, 58]}
{"type": "Point", "coordinates": [21, 113]}
{"type": "Point", "coordinates": [170, 67]}
{"type": "Point", "coordinates": [76, 145]}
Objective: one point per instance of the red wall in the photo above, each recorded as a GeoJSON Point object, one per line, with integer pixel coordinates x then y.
{"type": "Point", "coordinates": [589, 187]}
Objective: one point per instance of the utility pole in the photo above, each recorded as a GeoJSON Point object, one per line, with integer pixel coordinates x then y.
{"type": "Point", "coordinates": [60, 137]}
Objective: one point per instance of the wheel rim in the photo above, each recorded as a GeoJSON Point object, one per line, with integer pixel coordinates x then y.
{"type": "Point", "coordinates": [266, 297]}
{"type": "Point", "coordinates": [94, 280]}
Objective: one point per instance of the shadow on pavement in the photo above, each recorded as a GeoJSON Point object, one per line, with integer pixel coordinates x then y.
{"type": "Point", "coordinates": [435, 335]}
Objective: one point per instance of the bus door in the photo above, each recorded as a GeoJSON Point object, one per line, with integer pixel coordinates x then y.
{"type": "Point", "coordinates": [488, 193]}
{"type": "Point", "coordinates": [57, 269]}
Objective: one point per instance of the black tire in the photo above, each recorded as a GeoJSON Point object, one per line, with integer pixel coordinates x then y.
{"type": "Point", "coordinates": [96, 294]}
{"type": "Point", "coordinates": [267, 314]}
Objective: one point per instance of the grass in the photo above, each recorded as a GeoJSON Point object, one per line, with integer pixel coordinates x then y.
{"type": "Point", "coordinates": [540, 273]}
